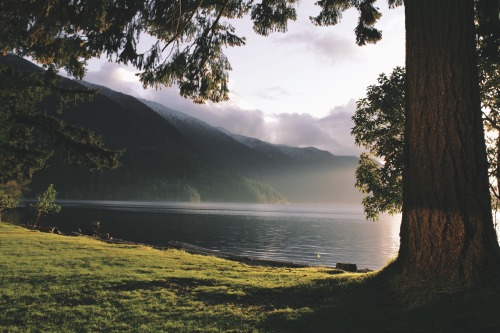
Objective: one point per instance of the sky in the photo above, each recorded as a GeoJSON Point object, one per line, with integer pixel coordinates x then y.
{"type": "Point", "coordinates": [297, 88]}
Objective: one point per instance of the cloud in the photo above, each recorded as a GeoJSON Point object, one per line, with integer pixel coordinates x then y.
{"type": "Point", "coordinates": [339, 124]}
{"type": "Point", "coordinates": [298, 130]}
{"type": "Point", "coordinates": [236, 120]}
{"type": "Point", "coordinates": [331, 132]}
{"type": "Point", "coordinates": [117, 77]}
{"type": "Point", "coordinates": [273, 93]}
{"type": "Point", "coordinates": [226, 114]}
{"type": "Point", "coordinates": [325, 45]}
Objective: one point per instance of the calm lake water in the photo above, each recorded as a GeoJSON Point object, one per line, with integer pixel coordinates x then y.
{"type": "Point", "coordinates": [313, 234]}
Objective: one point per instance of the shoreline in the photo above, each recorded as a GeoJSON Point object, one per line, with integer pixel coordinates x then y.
{"type": "Point", "coordinates": [193, 249]}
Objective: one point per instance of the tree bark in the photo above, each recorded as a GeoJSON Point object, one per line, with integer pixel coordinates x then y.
{"type": "Point", "coordinates": [447, 229]}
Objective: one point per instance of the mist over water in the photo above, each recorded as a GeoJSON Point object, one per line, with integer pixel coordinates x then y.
{"type": "Point", "coordinates": [318, 185]}
{"type": "Point", "coordinates": [312, 234]}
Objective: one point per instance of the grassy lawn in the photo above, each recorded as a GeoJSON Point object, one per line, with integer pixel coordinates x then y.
{"type": "Point", "coordinates": [52, 283]}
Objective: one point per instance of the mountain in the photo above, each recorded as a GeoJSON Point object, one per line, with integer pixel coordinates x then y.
{"type": "Point", "coordinates": [301, 174]}
{"type": "Point", "coordinates": [172, 156]}
{"type": "Point", "coordinates": [217, 146]}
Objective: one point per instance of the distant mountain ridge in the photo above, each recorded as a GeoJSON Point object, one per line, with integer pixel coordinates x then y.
{"type": "Point", "coordinates": [172, 156]}
{"type": "Point", "coordinates": [301, 174]}
{"type": "Point", "coordinates": [298, 154]}
{"type": "Point", "coordinates": [260, 149]}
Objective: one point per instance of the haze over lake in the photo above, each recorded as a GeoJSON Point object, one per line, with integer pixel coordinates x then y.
{"type": "Point", "coordinates": [312, 234]}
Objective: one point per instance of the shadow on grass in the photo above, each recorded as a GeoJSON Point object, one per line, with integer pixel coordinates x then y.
{"type": "Point", "coordinates": [213, 292]}
{"type": "Point", "coordinates": [338, 304]}
{"type": "Point", "coordinates": [347, 305]}
{"type": "Point", "coordinates": [172, 283]}
{"type": "Point", "coordinates": [374, 306]}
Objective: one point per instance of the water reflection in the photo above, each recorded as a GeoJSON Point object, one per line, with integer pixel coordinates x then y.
{"type": "Point", "coordinates": [314, 234]}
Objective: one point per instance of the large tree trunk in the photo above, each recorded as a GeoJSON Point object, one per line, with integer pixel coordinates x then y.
{"type": "Point", "coordinates": [447, 230]}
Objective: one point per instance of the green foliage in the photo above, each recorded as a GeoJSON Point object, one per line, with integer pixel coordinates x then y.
{"type": "Point", "coordinates": [29, 131]}
{"type": "Point", "coordinates": [190, 37]}
{"type": "Point", "coordinates": [488, 49]}
{"type": "Point", "coordinates": [45, 203]}
{"type": "Point", "coordinates": [379, 127]}
{"type": "Point", "coordinates": [273, 15]}
{"type": "Point", "coordinates": [10, 196]}
{"type": "Point", "coordinates": [331, 13]}
{"type": "Point", "coordinates": [383, 195]}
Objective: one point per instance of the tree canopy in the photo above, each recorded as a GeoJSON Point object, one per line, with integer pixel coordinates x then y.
{"type": "Point", "coordinates": [10, 196]}
{"type": "Point", "coordinates": [31, 125]}
{"type": "Point", "coordinates": [189, 35]}
{"type": "Point", "coordinates": [379, 126]}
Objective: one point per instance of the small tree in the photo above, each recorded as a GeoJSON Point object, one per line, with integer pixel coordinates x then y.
{"type": "Point", "coordinates": [379, 124]}
{"type": "Point", "coordinates": [45, 204]}
{"type": "Point", "coordinates": [10, 196]}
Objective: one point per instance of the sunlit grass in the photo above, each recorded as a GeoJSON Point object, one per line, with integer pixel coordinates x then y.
{"type": "Point", "coordinates": [52, 283]}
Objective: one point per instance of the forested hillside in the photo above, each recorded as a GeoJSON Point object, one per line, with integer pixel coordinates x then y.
{"type": "Point", "coordinates": [171, 156]}
{"type": "Point", "coordinates": [301, 174]}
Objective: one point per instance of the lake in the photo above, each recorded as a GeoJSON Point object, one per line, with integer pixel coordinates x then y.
{"type": "Point", "coordinates": [311, 234]}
